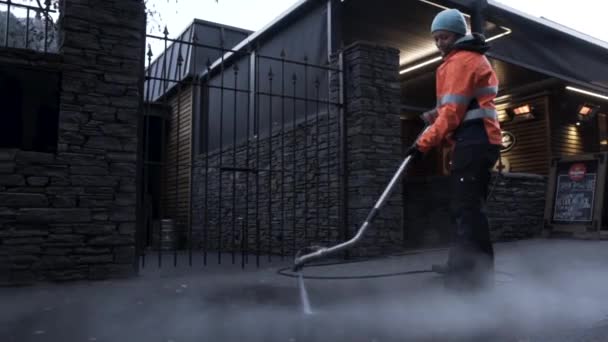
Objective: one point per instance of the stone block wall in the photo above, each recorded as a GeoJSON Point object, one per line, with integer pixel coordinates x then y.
{"type": "Point", "coordinates": [297, 215]}
{"type": "Point", "coordinates": [515, 208]}
{"type": "Point", "coordinates": [72, 214]}
{"type": "Point", "coordinates": [373, 154]}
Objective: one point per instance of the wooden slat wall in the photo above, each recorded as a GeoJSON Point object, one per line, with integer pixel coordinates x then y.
{"type": "Point", "coordinates": [177, 175]}
{"type": "Point", "coordinates": [531, 153]}
{"type": "Point", "coordinates": [566, 137]}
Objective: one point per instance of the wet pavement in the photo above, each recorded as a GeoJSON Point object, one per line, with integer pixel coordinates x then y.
{"type": "Point", "coordinates": [546, 290]}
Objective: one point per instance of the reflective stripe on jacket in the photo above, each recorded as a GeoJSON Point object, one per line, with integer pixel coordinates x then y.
{"type": "Point", "coordinates": [466, 88]}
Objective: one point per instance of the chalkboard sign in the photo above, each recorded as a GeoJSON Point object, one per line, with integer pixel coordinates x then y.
{"type": "Point", "coordinates": [575, 193]}
{"type": "Point", "coordinates": [574, 199]}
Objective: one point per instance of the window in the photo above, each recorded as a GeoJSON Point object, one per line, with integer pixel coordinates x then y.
{"type": "Point", "coordinates": [30, 108]}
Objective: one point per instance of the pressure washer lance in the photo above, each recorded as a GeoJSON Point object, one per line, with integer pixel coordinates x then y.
{"type": "Point", "coordinates": [317, 252]}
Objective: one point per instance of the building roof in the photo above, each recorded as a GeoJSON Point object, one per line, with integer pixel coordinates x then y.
{"type": "Point", "coordinates": [527, 49]}
{"type": "Point", "coordinates": [550, 23]}
{"type": "Point", "coordinates": [165, 70]}
{"type": "Point", "coordinates": [300, 8]}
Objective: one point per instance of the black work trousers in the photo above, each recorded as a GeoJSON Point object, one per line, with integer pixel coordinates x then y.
{"type": "Point", "coordinates": [471, 255]}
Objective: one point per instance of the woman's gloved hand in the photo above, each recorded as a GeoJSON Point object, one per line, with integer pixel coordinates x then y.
{"type": "Point", "coordinates": [414, 153]}
{"type": "Point", "coordinates": [429, 116]}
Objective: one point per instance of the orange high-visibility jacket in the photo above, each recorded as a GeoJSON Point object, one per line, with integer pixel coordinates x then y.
{"type": "Point", "coordinates": [466, 88]}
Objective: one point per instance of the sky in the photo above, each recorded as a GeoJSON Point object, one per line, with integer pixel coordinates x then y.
{"type": "Point", "coordinates": [586, 16]}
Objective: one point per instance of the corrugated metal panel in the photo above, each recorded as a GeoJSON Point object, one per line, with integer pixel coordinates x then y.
{"type": "Point", "coordinates": [305, 39]}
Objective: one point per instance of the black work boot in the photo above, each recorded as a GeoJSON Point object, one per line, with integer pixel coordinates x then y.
{"type": "Point", "coordinates": [484, 273]}
{"type": "Point", "coordinates": [472, 275]}
{"type": "Point", "coordinates": [457, 273]}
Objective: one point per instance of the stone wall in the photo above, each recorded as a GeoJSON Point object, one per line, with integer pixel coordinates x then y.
{"type": "Point", "coordinates": [299, 219]}
{"type": "Point", "coordinates": [515, 208]}
{"type": "Point", "coordinates": [297, 215]}
{"type": "Point", "coordinates": [71, 214]}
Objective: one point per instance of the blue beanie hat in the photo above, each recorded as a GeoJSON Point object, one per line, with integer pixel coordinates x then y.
{"type": "Point", "coordinates": [450, 20]}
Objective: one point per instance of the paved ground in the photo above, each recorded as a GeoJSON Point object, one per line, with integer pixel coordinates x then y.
{"type": "Point", "coordinates": [546, 291]}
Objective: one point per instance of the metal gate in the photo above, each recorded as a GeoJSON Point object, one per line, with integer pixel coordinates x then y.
{"type": "Point", "coordinates": [243, 154]}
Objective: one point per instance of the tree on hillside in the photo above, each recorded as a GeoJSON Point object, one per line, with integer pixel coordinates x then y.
{"type": "Point", "coordinates": [20, 29]}
{"type": "Point", "coordinates": [54, 4]}
{"type": "Point", "coordinates": [27, 33]}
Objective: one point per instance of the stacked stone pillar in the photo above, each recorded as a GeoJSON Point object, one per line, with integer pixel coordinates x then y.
{"type": "Point", "coordinates": [72, 214]}
{"type": "Point", "coordinates": [373, 144]}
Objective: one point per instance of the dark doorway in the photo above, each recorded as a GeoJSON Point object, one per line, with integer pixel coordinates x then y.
{"type": "Point", "coordinates": [30, 108]}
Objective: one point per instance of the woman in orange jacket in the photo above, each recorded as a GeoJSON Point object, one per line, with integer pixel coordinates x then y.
{"type": "Point", "coordinates": [465, 117]}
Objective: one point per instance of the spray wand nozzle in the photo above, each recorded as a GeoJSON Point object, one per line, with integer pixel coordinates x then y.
{"type": "Point", "coordinates": [297, 267]}
{"type": "Point", "coordinates": [305, 255]}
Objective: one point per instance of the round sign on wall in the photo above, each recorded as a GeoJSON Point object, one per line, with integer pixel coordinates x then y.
{"type": "Point", "coordinates": [577, 172]}
{"type": "Point", "coordinates": [508, 141]}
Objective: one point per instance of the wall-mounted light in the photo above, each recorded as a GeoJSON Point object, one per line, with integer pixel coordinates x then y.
{"type": "Point", "coordinates": [522, 112]}
{"type": "Point", "coordinates": [587, 112]}
{"type": "Point", "coordinates": [584, 110]}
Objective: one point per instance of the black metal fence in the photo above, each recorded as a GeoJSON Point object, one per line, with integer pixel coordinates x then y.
{"type": "Point", "coordinates": [28, 26]}
{"type": "Point", "coordinates": [242, 154]}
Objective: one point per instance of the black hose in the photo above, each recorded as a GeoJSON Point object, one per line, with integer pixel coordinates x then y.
{"type": "Point", "coordinates": [288, 271]}
{"type": "Point", "coordinates": [285, 272]}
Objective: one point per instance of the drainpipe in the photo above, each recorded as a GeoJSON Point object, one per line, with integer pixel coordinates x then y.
{"type": "Point", "coordinates": [478, 8]}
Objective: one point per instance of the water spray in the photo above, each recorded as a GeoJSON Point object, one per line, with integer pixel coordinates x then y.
{"type": "Point", "coordinates": [310, 253]}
